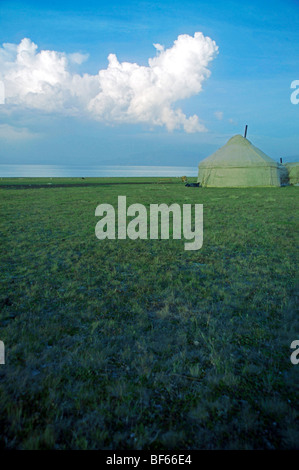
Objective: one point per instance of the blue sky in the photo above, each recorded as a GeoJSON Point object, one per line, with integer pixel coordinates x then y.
{"type": "Point", "coordinates": [250, 80]}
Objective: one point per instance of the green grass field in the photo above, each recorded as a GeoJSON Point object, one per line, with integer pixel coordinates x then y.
{"type": "Point", "coordinates": [141, 344]}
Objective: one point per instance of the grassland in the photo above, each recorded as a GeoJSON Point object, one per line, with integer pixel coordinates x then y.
{"type": "Point", "coordinates": [140, 344]}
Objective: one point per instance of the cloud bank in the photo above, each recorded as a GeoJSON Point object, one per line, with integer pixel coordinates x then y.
{"type": "Point", "coordinates": [123, 92]}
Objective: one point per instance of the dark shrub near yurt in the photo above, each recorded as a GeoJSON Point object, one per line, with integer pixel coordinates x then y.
{"type": "Point", "coordinates": [284, 174]}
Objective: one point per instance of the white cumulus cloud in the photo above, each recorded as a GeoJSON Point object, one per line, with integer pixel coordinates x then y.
{"type": "Point", "coordinates": [123, 92]}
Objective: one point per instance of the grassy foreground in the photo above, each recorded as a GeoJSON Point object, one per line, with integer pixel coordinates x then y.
{"type": "Point", "coordinates": [140, 344]}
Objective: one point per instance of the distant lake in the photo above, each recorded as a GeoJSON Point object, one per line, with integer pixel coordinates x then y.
{"type": "Point", "coordinates": [83, 171]}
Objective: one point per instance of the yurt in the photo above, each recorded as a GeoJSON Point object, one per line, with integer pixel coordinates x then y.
{"type": "Point", "coordinates": [293, 170]}
{"type": "Point", "coordinates": [238, 164]}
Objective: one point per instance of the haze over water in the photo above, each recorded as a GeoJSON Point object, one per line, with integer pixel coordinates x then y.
{"type": "Point", "coordinates": [9, 171]}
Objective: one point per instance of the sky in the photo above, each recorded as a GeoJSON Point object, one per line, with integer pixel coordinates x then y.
{"type": "Point", "coordinates": [145, 83]}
